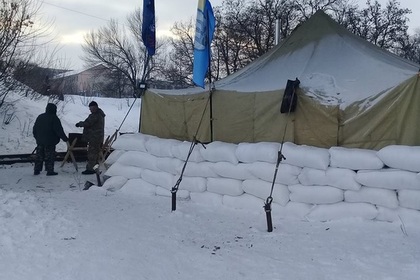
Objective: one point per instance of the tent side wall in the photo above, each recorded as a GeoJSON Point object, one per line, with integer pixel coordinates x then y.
{"type": "Point", "coordinates": [238, 117]}
{"type": "Point", "coordinates": [409, 114]}
{"type": "Point", "coordinates": [255, 117]}
{"type": "Point", "coordinates": [249, 117]}
{"type": "Point", "coordinates": [176, 116]}
{"type": "Point", "coordinates": [392, 120]}
{"type": "Point", "coordinates": [315, 124]}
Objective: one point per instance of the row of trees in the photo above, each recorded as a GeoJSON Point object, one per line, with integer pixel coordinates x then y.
{"type": "Point", "coordinates": [245, 30]}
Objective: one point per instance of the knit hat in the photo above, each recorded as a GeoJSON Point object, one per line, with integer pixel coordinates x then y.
{"type": "Point", "coordinates": [93, 104]}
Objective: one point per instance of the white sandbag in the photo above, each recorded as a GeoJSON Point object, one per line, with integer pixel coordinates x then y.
{"type": "Point", "coordinates": [389, 179]}
{"type": "Point", "coordinates": [335, 177]}
{"type": "Point", "coordinates": [114, 183]}
{"type": "Point", "coordinates": [262, 189]}
{"type": "Point", "coordinates": [403, 216]}
{"type": "Point", "coordinates": [387, 214]}
{"type": "Point", "coordinates": [220, 152]}
{"type": "Point", "coordinates": [131, 142]}
{"type": "Point", "coordinates": [200, 169]}
{"type": "Point", "coordinates": [315, 194]}
{"type": "Point", "coordinates": [169, 165]}
{"type": "Point", "coordinates": [138, 187]}
{"type": "Point", "coordinates": [342, 210]}
{"type": "Point", "coordinates": [113, 157]}
{"type": "Point", "coordinates": [160, 147]}
{"type": "Point", "coordinates": [342, 178]}
{"type": "Point", "coordinates": [253, 152]}
{"type": "Point", "coordinates": [409, 216]}
{"type": "Point", "coordinates": [193, 184]}
{"type": "Point", "coordinates": [310, 177]}
{"type": "Point", "coordinates": [180, 194]}
{"type": "Point", "coordinates": [354, 158]}
{"type": "Point", "coordinates": [234, 171]}
{"type": "Point", "coordinates": [158, 178]}
{"type": "Point", "coordinates": [181, 151]}
{"type": "Point", "coordinates": [138, 159]}
{"type": "Point", "coordinates": [286, 174]}
{"type": "Point", "coordinates": [376, 196]}
{"type": "Point", "coordinates": [129, 172]}
{"type": "Point", "coordinates": [227, 186]}
{"type": "Point", "coordinates": [245, 202]}
{"type": "Point", "coordinates": [401, 157]}
{"type": "Point", "coordinates": [409, 199]}
{"type": "Point", "coordinates": [306, 156]}
{"type": "Point", "coordinates": [207, 198]}
{"type": "Point", "coordinates": [292, 211]}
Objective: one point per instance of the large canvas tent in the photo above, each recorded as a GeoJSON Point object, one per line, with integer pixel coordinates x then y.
{"type": "Point", "coordinates": [351, 94]}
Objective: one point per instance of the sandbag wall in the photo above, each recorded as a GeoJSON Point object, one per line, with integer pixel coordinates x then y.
{"type": "Point", "coordinates": [313, 184]}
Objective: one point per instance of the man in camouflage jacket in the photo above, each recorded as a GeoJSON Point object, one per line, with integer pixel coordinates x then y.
{"type": "Point", "coordinates": [93, 134]}
{"type": "Point", "coordinates": [47, 131]}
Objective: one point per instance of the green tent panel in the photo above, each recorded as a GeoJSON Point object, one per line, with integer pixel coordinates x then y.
{"type": "Point", "coordinates": [352, 94]}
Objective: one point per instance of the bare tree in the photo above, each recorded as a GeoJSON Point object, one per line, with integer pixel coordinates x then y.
{"type": "Point", "coordinates": [385, 27]}
{"type": "Point", "coordinates": [120, 48]}
{"type": "Point", "coordinates": [19, 38]}
{"type": "Point", "coordinates": [178, 68]}
{"type": "Point", "coordinates": [245, 30]}
{"type": "Point", "coordinates": [230, 42]}
{"type": "Point", "coordinates": [410, 48]}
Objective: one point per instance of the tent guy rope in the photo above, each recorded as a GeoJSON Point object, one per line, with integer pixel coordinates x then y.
{"type": "Point", "coordinates": [289, 101]}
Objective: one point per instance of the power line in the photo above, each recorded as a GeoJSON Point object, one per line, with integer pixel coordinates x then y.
{"type": "Point", "coordinates": [74, 11]}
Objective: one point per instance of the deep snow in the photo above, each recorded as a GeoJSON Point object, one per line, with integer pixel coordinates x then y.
{"type": "Point", "coordinates": [51, 229]}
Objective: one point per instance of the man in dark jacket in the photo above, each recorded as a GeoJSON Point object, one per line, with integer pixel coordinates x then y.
{"type": "Point", "coordinates": [47, 131]}
{"type": "Point", "coordinates": [93, 134]}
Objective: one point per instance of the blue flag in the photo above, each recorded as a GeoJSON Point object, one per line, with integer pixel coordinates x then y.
{"type": "Point", "coordinates": [148, 29]}
{"type": "Point", "coordinates": [203, 36]}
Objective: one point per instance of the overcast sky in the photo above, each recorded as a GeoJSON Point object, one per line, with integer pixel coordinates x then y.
{"type": "Point", "coordinates": [74, 18]}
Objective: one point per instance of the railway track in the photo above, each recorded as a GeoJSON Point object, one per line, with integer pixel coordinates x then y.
{"type": "Point", "coordinates": [24, 158]}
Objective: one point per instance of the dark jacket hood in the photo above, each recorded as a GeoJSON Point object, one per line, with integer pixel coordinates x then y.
{"type": "Point", "coordinates": [51, 108]}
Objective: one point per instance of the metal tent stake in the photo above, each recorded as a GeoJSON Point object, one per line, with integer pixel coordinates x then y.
{"type": "Point", "coordinates": [267, 208]}
{"type": "Point", "coordinates": [173, 200]}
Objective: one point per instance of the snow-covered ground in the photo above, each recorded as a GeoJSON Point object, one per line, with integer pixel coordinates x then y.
{"type": "Point", "coordinates": [52, 229]}
{"type": "Point", "coordinates": [16, 137]}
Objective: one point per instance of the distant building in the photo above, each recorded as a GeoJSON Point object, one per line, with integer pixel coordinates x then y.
{"type": "Point", "coordinates": [99, 80]}
{"type": "Point", "coordinates": [90, 82]}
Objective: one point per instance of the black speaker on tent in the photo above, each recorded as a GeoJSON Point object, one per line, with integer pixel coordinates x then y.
{"type": "Point", "coordinates": [288, 104]}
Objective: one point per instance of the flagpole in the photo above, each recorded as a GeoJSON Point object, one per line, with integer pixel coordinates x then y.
{"type": "Point", "coordinates": [202, 53]}
{"type": "Point", "coordinates": [148, 34]}
{"type": "Point", "coordinates": [210, 81]}
{"type": "Point", "coordinates": [142, 86]}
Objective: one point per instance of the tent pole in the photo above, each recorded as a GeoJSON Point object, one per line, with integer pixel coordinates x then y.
{"type": "Point", "coordinates": [211, 87]}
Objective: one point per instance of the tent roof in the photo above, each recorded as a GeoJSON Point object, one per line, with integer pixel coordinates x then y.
{"type": "Point", "coordinates": [332, 63]}
{"type": "Point", "coordinates": [334, 66]}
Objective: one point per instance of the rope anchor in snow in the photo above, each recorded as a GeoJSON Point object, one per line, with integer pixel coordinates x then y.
{"type": "Point", "coordinates": [267, 208]}
{"type": "Point", "coordinates": [178, 182]}
{"type": "Point", "coordinates": [288, 105]}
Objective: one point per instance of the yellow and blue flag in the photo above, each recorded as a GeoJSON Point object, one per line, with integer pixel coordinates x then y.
{"type": "Point", "coordinates": [204, 31]}
{"type": "Point", "coordinates": [148, 29]}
